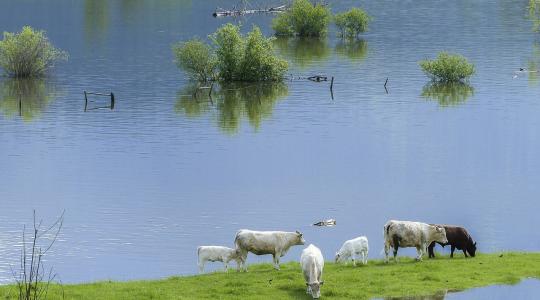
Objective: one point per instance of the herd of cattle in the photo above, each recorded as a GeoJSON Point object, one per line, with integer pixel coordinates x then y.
{"type": "Point", "coordinates": [397, 234]}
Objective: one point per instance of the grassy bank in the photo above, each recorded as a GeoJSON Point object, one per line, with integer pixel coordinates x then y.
{"type": "Point", "coordinates": [362, 282]}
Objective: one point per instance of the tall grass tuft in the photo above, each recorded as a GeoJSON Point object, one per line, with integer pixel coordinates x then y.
{"type": "Point", "coordinates": [28, 53]}
{"type": "Point", "coordinates": [448, 68]}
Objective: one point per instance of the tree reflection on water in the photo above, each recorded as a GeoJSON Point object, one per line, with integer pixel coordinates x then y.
{"type": "Point", "coordinates": [448, 94]}
{"type": "Point", "coordinates": [232, 103]}
{"type": "Point", "coordinates": [25, 97]}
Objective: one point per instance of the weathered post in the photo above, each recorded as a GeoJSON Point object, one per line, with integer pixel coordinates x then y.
{"type": "Point", "coordinates": [85, 101]}
{"type": "Point", "coordinates": [112, 100]}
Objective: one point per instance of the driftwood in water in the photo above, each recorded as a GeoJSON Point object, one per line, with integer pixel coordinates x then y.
{"type": "Point", "coordinates": [240, 12]}
{"type": "Point", "coordinates": [318, 78]}
{"type": "Point", "coordinates": [327, 223]}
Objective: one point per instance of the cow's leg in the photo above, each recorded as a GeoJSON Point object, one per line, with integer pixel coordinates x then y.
{"type": "Point", "coordinates": [418, 253]}
{"type": "Point", "coordinates": [386, 249]}
{"type": "Point", "coordinates": [243, 259]}
{"type": "Point", "coordinates": [201, 266]}
{"type": "Point", "coordinates": [431, 246]}
{"type": "Point", "coordinates": [276, 260]}
{"type": "Point", "coordinates": [395, 239]}
{"type": "Point", "coordinates": [226, 263]}
{"type": "Point", "coordinates": [465, 252]}
{"type": "Point", "coordinates": [364, 257]}
{"type": "Point", "coordinates": [353, 256]}
{"type": "Point", "coordinates": [452, 251]}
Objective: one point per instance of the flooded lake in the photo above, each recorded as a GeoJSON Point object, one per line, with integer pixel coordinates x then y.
{"type": "Point", "coordinates": [146, 183]}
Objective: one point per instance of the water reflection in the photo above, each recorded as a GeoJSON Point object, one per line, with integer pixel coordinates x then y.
{"type": "Point", "coordinates": [441, 295]}
{"type": "Point", "coordinates": [232, 103]}
{"type": "Point", "coordinates": [96, 19]}
{"type": "Point", "coordinates": [534, 14]}
{"type": "Point", "coordinates": [303, 52]}
{"type": "Point", "coordinates": [26, 98]}
{"type": "Point", "coordinates": [355, 49]}
{"type": "Point", "coordinates": [448, 94]}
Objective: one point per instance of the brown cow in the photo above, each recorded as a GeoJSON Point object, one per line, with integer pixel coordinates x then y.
{"type": "Point", "coordinates": [458, 238]}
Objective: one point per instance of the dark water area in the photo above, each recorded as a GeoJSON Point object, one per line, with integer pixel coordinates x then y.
{"type": "Point", "coordinates": [146, 183]}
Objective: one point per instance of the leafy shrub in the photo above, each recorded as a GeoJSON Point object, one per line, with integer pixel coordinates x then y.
{"type": "Point", "coordinates": [230, 51]}
{"type": "Point", "coordinates": [448, 68]}
{"type": "Point", "coordinates": [235, 58]}
{"type": "Point", "coordinates": [352, 23]}
{"type": "Point", "coordinates": [303, 19]}
{"type": "Point", "coordinates": [28, 53]}
{"type": "Point", "coordinates": [196, 58]}
{"type": "Point", "coordinates": [259, 62]}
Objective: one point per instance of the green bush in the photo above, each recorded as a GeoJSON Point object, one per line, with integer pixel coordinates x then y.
{"type": "Point", "coordinates": [448, 68]}
{"type": "Point", "coordinates": [352, 23]}
{"type": "Point", "coordinates": [259, 61]}
{"type": "Point", "coordinates": [196, 58]}
{"type": "Point", "coordinates": [235, 58]}
{"type": "Point", "coordinates": [303, 19]}
{"type": "Point", "coordinates": [230, 51]}
{"type": "Point", "coordinates": [28, 53]}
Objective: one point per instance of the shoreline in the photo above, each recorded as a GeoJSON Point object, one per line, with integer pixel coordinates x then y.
{"type": "Point", "coordinates": [377, 279]}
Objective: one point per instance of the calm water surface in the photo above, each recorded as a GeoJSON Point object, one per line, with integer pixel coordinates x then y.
{"type": "Point", "coordinates": [146, 183]}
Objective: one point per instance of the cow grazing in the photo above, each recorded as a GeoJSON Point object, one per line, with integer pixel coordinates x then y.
{"type": "Point", "coordinates": [458, 238]}
{"type": "Point", "coordinates": [276, 243]}
{"type": "Point", "coordinates": [312, 263]}
{"type": "Point", "coordinates": [353, 249]}
{"type": "Point", "coordinates": [217, 253]}
{"type": "Point", "coordinates": [411, 234]}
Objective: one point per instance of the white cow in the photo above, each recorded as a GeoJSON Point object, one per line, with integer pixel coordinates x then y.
{"type": "Point", "coordinates": [217, 253]}
{"type": "Point", "coordinates": [276, 243]}
{"type": "Point", "coordinates": [312, 263]}
{"type": "Point", "coordinates": [411, 234]}
{"type": "Point", "coordinates": [354, 249]}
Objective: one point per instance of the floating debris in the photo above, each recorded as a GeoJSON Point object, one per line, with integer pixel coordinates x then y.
{"type": "Point", "coordinates": [220, 12]}
{"type": "Point", "coordinates": [327, 223]}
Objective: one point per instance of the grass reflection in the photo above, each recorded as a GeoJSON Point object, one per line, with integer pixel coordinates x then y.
{"type": "Point", "coordinates": [232, 103]}
{"type": "Point", "coordinates": [24, 97]}
{"type": "Point", "coordinates": [448, 94]}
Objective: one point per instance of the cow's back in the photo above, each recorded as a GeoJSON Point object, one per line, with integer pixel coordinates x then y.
{"type": "Point", "coordinates": [257, 242]}
{"type": "Point", "coordinates": [408, 233]}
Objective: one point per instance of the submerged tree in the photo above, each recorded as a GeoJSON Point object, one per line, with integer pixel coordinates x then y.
{"type": "Point", "coordinates": [28, 53]}
{"type": "Point", "coordinates": [448, 68]}
{"type": "Point", "coordinates": [448, 93]}
{"type": "Point", "coordinates": [235, 57]}
{"type": "Point", "coordinates": [303, 19]}
{"type": "Point", "coordinates": [353, 22]}
{"type": "Point", "coordinates": [197, 59]}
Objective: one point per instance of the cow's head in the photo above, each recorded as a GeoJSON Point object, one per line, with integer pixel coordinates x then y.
{"type": "Point", "coordinates": [315, 289]}
{"type": "Point", "coordinates": [439, 234]}
{"type": "Point", "coordinates": [472, 249]}
{"type": "Point", "coordinates": [338, 257]}
{"type": "Point", "coordinates": [299, 238]}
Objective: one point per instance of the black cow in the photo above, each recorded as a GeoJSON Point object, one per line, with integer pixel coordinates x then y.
{"type": "Point", "coordinates": [458, 238]}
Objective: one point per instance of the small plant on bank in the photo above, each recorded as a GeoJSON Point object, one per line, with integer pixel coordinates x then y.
{"type": "Point", "coordinates": [235, 57]}
{"type": "Point", "coordinates": [303, 19]}
{"type": "Point", "coordinates": [28, 53]}
{"type": "Point", "coordinates": [352, 22]}
{"type": "Point", "coordinates": [448, 68]}
{"type": "Point", "coordinates": [197, 59]}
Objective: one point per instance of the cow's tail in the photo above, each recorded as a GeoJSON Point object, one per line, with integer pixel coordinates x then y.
{"type": "Point", "coordinates": [198, 251]}
{"type": "Point", "coordinates": [237, 240]}
{"type": "Point", "coordinates": [386, 232]}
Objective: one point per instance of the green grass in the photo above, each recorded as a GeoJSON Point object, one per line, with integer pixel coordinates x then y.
{"type": "Point", "coordinates": [377, 279]}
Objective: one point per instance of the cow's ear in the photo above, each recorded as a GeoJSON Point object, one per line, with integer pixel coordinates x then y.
{"type": "Point", "coordinates": [475, 244]}
{"type": "Point", "coordinates": [299, 233]}
{"type": "Point", "coordinates": [307, 284]}
{"type": "Point", "coordinates": [321, 283]}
